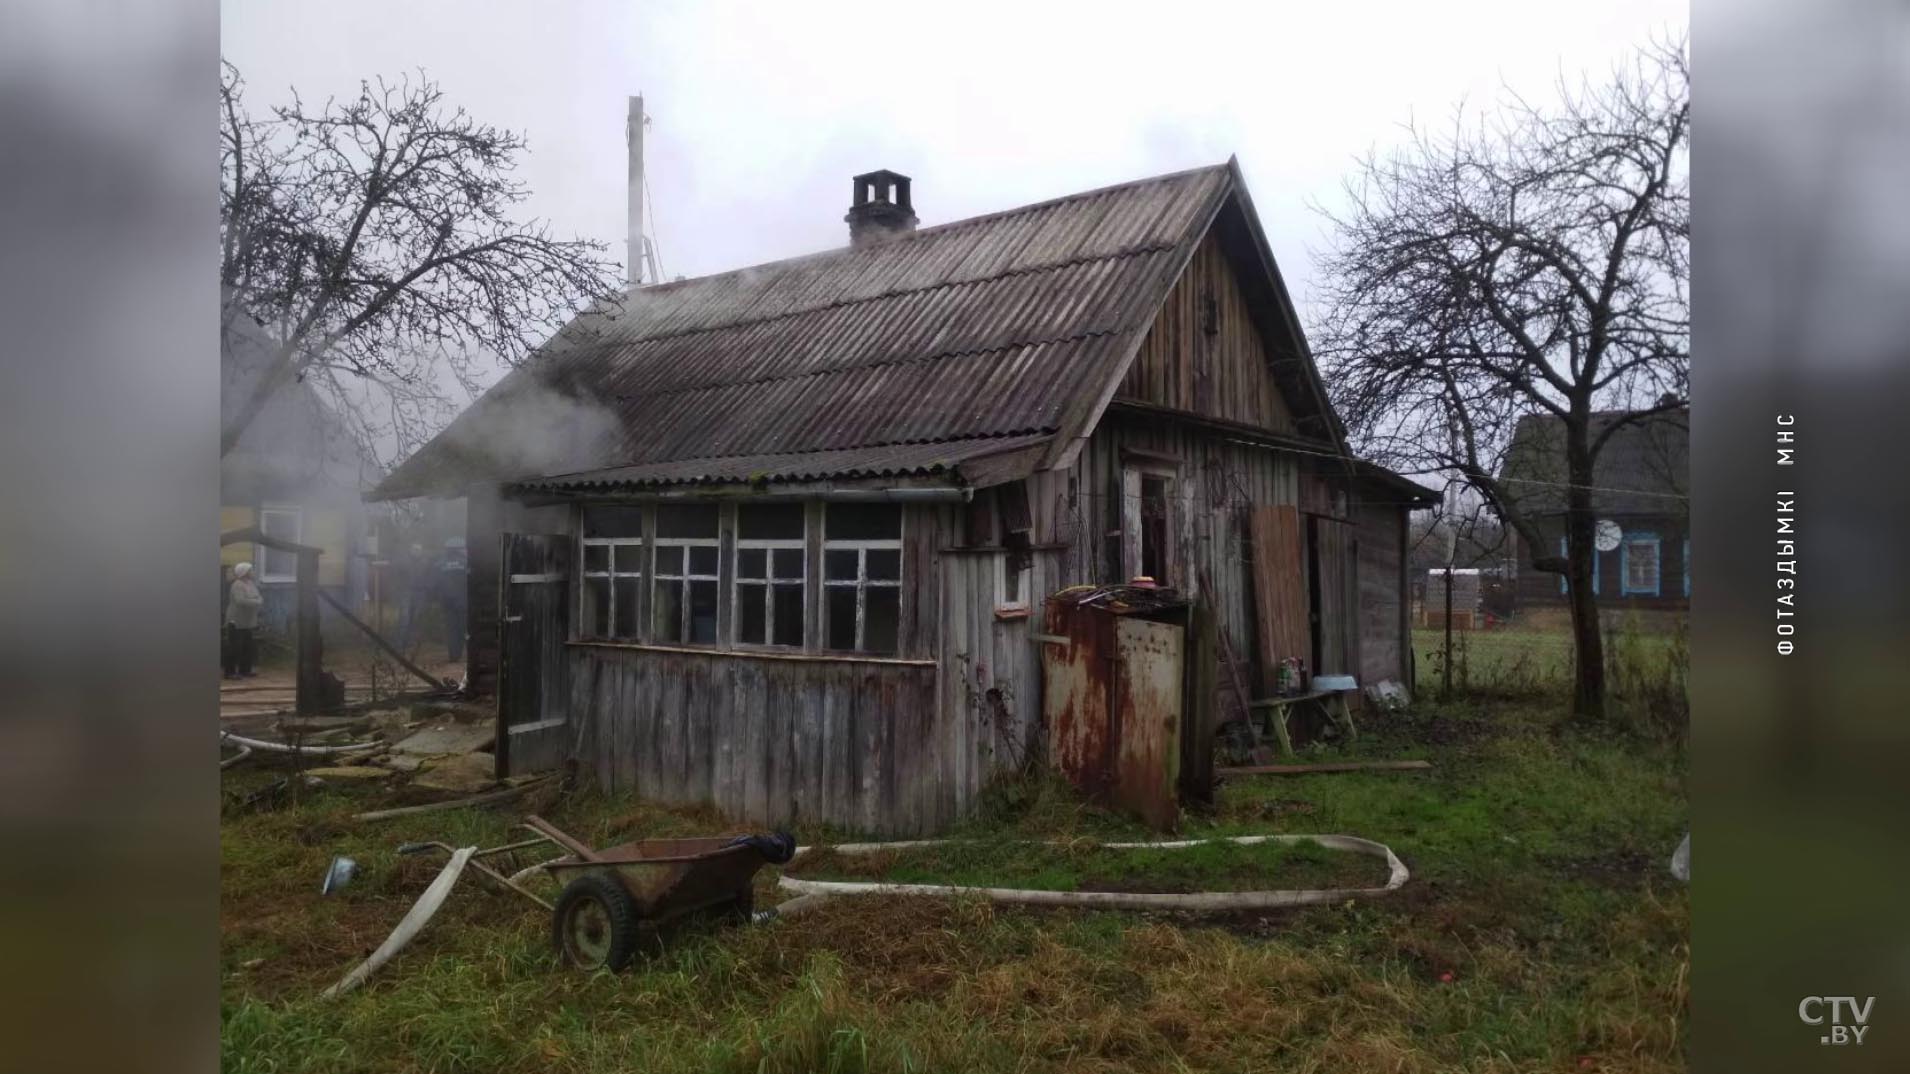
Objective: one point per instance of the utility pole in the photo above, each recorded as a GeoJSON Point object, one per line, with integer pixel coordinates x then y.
{"type": "Point", "coordinates": [636, 252]}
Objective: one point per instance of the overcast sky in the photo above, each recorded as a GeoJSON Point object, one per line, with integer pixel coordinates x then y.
{"type": "Point", "coordinates": [761, 112]}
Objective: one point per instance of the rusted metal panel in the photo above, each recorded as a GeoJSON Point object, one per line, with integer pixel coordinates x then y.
{"type": "Point", "coordinates": [1077, 682]}
{"type": "Point", "coordinates": [989, 327]}
{"type": "Point", "coordinates": [1147, 719]}
{"type": "Point", "coordinates": [1114, 694]}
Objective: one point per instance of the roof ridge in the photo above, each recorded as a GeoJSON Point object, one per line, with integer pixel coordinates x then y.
{"type": "Point", "coordinates": [945, 226]}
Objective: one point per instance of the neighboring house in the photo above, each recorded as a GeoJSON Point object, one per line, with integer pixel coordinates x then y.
{"type": "Point", "coordinates": [779, 538]}
{"type": "Point", "coordinates": [1640, 482]}
{"type": "Point", "coordinates": [296, 473]}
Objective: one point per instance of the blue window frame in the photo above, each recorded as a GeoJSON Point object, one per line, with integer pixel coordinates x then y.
{"type": "Point", "coordinates": [1595, 558]}
{"type": "Point", "coordinates": [1639, 566]}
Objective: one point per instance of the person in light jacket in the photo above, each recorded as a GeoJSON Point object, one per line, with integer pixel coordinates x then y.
{"type": "Point", "coordinates": [243, 602]}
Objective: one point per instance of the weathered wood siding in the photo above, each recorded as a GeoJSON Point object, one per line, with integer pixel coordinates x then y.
{"type": "Point", "coordinates": [1076, 523]}
{"type": "Point", "coordinates": [1219, 479]}
{"type": "Point", "coordinates": [991, 666]}
{"type": "Point", "coordinates": [1381, 540]}
{"type": "Point", "coordinates": [1204, 354]}
{"type": "Point", "coordinates": [1335, 613]}
{"type": "Point", "coordinates": [770, 740]}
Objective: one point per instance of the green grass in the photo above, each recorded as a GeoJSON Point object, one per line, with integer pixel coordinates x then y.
{"type": "Point", "coordinates": [1085, 865]}
{"type": "Point", "coordinates": [1646, 659]}
{"type": "Point", "coordinates": [1540, 931]}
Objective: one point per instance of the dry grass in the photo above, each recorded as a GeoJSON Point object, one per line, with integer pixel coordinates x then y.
{"type": "Point", "coordinates": [1540, 932]}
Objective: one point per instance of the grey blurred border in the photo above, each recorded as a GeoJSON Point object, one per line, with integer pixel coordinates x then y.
{"type": "Point", "coordinates": [1801, 763]}
{"type": "Point", "coordinates": [108, 504]}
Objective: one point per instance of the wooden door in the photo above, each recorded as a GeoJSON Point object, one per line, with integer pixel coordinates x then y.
{"type": "Point", "coordinates": [1329, 588]}
{"type": "Point", "coordinates": [533, 693]}
{"type": "Point", "coordinates": [1280, 588]}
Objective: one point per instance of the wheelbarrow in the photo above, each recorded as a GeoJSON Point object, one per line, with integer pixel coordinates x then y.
{"type": "Point", "coordinates": [613, 898]}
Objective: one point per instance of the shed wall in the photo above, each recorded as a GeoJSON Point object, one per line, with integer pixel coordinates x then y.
{"type": "Point", "coordinates": [849, 742]}
{"type": "Point", "coordinates": [1383, 645]}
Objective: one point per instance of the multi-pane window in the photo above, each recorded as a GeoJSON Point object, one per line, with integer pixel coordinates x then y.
{"type": "Point", "coordinates": [769, 574]}
{"type": "Point", "coordinates": [613, 572]}
{"type": "Point", "coordinates": [862, 576]}
{"type": "Point", "coordinates": [687, 551]}
{"type": "Point", "coordinates": [278, 565]}
{"type": "Point", "coordinates": [1639, 564]}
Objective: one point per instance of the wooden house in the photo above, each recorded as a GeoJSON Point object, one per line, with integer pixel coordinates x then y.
{"type": "Point", "coordinates": [777, 538]}
{"type": "Point", "coordinates": [297, 474]}
{"type": "Point", "coordinates": [1640, 483]}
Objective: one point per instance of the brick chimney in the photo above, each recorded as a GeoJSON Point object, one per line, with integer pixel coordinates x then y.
{"type": "Point", "coordinates": [881, 210]}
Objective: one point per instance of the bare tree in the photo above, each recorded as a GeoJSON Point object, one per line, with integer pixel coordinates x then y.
{"type": "Point", "coordinates": [373, 238]}
{"type": "Point", "coordinates": [1536, 263]}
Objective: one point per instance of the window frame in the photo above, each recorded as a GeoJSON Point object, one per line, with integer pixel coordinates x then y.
{"type": "Point", "coordinates": [769, 581]}
{"type": "Point", "coordinates": [862, 582]}
{"type": "Point", "coordinates": [1024, 575]}
{"type": "Point", "coordinates": [1641, 537]}
{"type": "Point", "coordinates": [612, 574]}
{"type": "Point", "coordinates": [1134, 475]}
{"type": "Point", "coordinates": [262, 554]}
{"type": "Point", "coordinates": [684, 580]}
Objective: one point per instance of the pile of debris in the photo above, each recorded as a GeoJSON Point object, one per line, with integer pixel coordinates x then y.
{"type": "Point", "coordinates": [444, 747]}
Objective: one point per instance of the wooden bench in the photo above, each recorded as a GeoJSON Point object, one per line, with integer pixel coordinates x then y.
{"type": "Point", "coordinates": [1332, 703]}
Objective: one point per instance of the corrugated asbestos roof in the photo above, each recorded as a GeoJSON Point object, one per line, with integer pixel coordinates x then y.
{"type": "Point", "coordinates": [993, 327]}
{"type": "Point", "coordinates": [896, 460]}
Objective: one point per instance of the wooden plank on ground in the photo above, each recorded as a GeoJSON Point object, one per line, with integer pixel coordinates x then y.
{"type": "Point", "coordinates": [1309, 769]}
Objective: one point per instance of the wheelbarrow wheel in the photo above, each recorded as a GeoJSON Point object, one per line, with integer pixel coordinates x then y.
{"type": "Point", "coordinates": [743, 908]}
{"type": "Point", "coordinates": [595, 925]}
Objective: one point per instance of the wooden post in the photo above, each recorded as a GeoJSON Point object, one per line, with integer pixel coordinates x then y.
{"type": "Point", "coordinates": [309, 687]}
{"type": "Point", "coordinates": [482, 549]}
{"type": "Point", "coordinates": [1201, 706]}
{"type": "Point", "coordinates": [1445, 688]}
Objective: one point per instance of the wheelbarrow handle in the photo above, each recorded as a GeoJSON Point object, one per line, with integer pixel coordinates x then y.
{"type": "Point", "coordinates": [560, 837]}
{"type": "Point", "coordinates": [419, 848]}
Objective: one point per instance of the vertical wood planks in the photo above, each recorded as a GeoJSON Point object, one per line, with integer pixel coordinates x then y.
{"type": "Point", "coordinates": [1279, 585]}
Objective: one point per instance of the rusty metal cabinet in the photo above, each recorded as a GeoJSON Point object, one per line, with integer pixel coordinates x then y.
{"type": "Point", "coordinates": [1113, 695]}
